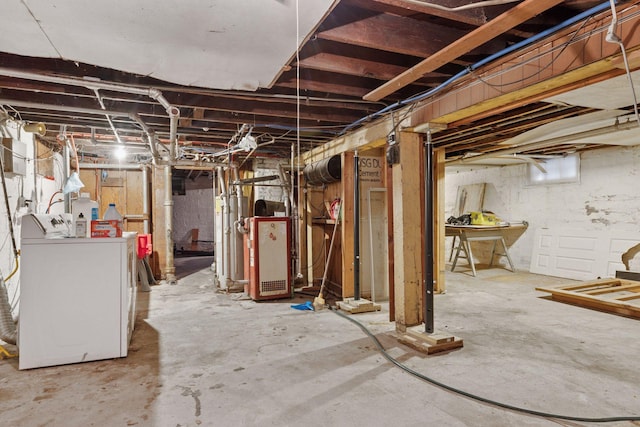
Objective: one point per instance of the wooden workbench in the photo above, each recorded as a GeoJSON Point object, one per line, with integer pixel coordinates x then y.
{"type": "Point", "coordinates": [465, 234]}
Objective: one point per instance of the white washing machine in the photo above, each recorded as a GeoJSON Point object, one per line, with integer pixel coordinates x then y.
{"type": "Point", "coordinates": [77, 295]}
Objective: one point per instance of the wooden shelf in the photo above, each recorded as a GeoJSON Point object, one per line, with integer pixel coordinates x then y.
{"type": "Point", "coordinates": [323, 221]}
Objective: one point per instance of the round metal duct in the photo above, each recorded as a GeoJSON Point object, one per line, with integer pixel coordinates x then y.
{"type": "Point", "coordinates": [323, 172]}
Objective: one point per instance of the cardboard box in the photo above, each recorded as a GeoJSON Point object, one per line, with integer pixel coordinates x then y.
{"type": "Point", "coordinates": [106, 228]}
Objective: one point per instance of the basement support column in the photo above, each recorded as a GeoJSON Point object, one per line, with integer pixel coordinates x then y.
{"type": "Point", "coordinates": [418, 272]}
{"type": "Point", "coordinates": [407, 259]}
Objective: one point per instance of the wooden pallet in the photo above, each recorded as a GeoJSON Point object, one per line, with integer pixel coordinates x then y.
{"type": "Point", "coordinates": [618, 296]}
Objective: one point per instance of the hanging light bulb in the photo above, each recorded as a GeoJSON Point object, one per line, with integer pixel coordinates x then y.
{"type": "Point", "coordinates": [120, 153]}
{"type": "Point", "coordinates": [37, 128]}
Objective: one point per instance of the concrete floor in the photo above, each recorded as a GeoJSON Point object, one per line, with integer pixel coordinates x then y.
{"type": "Point", "coordinates": [199, 357]}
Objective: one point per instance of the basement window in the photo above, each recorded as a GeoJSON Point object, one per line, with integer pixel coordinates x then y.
{"type": "Point", "coordinates": [559, 170]}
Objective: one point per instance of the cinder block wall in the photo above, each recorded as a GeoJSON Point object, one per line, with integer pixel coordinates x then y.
{"type": "Point", "coordinates": [606, 198]}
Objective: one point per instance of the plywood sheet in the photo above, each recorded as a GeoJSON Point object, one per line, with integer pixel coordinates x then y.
{"type": "Point", "coordinates": [469, 198]}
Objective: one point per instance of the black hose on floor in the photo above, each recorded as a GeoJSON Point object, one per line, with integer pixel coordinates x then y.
{"type": "Point", "coordinates": [474, 396]}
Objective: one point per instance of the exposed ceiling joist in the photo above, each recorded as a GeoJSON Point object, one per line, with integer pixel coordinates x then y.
{"type": "Point", "coordinates": [353, 50]}
{"type": "Point", "coordinates": [465, 44]}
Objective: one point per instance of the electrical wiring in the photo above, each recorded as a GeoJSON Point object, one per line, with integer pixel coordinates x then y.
{"type": "Point", "coordinates": [475, 396]}
{"type": "Point", "coordinates": [477, 65]}
{"type": "Point", "coordinates": [612, 37]}
{"type": "Point", "coordinates": [475, 5]}
{"type": "Point", "coordinates": [51, 202]}
{"type": "Point", "coordinates": [537, 71]}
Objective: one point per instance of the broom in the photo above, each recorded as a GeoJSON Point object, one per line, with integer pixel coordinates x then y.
{"type": "Point", "coordinates": [318, 302]}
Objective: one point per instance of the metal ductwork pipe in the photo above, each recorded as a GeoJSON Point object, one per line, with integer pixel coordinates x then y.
{"type": "Point", "coordinates": [220, 254]}
{"type": "Point", "coordinates": [145, 201]}
{"type": "Point", "coordinates": [110, 166]}
{"type": "Point", "coordinates": [267, 207]}
{"type": "Point", "coordinates": [149, 134]}
{"type": "Point", "coordinates": [323, 172]}
{"type": "Point", "coordinates": [287, 190]}
{"type": "Point", "coordinates": [8, 330]}
{"type": "Point", "coordinates": [170, 273]}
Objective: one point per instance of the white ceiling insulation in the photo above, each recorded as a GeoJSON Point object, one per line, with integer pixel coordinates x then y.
{"type": "Point", "coordinates": [606, 95]}
{"type": "Point", "coordinates": [577, 126]}
{"type": "Point", "coordinates": [219, 44]}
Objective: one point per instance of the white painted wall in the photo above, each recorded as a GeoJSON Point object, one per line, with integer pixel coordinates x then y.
{"type": "Point", "coordinates": [32, 187]}
{"type": "Point", "coordinates": [194, 210]}
{"type": "Point", "coordinates": [606, 198]}
{"type": "Point", "coordinates": [267, 167]}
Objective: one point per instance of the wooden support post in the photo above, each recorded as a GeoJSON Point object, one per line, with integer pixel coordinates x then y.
{"type": "Point", "coordinates": [407, 217]}
{"type": "Point", "coordinates": [347, 224]}
{"type": "Point", "coordinates": [159, 224]}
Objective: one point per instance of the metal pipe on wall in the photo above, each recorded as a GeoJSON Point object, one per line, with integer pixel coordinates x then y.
{"type": "Point", "coordinates": [236, 180]}
{"type": "Point", "coordinates": [149, 134]}
{"type": "Point", "coordinates": [295, 259]}
{"type": "Point", "coordinates": [220, 251]}
{"type": "Point", "coordinates": [287, 188]}
{"type": "Point", "coordinates": [66, 174]}
{"type": "Point", "coordinates": [110, 166]}
{"type": "Point", "coordinates": [214, 267]}
{"type": "Point", "coordinates": [428, 234]}
{"type": "Point", "coordinates": [174, 115]}
{"type": "Point", "coordinates": [145, 200]}
{"type": "Point", "coordinates": [356, 227]}
{"type": "Point", "coordinates": [170, 268]}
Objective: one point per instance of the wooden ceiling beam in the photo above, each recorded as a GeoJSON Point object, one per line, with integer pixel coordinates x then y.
{"type": "Point", "coordinates": [357, 67]}
{"type": "Point", "coordinates": [318, 86]}
{"type": "Point", "coordinates": [515, 16]}
{"type": "Point", "coordinates": [475, 17]}
{"type": "Point", "coordinates": [351, 66]}
{"type": "Point", "coordinates": [394, 34]}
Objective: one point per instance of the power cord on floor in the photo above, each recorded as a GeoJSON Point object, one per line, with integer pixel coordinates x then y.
{"type": "Point", "coordinates": [474, 396]}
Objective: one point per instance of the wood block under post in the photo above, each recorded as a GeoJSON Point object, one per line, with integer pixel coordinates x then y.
{"type": "Point", "coordinates": [359, 306]}
{"type": "Point", "coordinates": [436, 342]}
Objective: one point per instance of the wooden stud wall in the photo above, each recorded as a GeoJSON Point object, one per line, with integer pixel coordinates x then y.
{"type": "Point", "coordinates": [158, 220]}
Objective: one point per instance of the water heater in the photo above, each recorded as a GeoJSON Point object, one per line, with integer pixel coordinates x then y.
{"type": "Point", "coordinates": [269, 252]}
